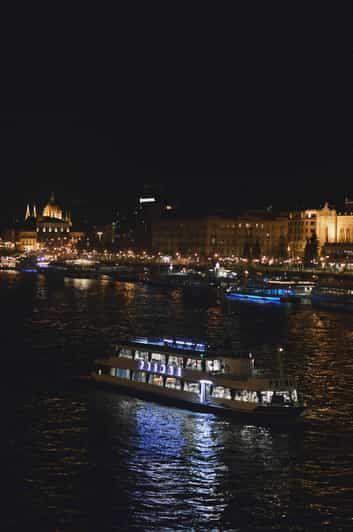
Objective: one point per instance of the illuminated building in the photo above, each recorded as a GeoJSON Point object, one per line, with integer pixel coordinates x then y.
{"type": "Point", "coordinates": [52, 225]}
{"type": "Point", "coordinates": [330, 227]}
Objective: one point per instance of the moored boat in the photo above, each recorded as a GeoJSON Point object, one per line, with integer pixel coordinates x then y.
{"type": "Point", "coordinates": [188, 374]}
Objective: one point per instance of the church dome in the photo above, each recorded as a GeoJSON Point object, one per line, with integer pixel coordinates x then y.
{"type": "Point", "coordinates": [52, 209]}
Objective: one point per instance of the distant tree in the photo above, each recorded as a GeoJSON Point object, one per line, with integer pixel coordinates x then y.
{"type": "Point", "coordinates": [311, 249]}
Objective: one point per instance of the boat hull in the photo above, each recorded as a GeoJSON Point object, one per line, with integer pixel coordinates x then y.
{"type": "Point", "coordinates": [246, 412]}
{"type": "Point", "coordinates": [253, 298]}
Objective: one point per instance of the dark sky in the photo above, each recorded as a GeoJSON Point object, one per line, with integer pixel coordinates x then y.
{"type": "Point", "coordinates": [233, 109]}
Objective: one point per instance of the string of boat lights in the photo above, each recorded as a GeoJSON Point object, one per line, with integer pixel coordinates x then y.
{"type": "Point", "coordinates": [184, 344]}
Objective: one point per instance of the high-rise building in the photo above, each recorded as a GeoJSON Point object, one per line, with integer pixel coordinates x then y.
{"type": "Point", "coordinates": [147, 211]}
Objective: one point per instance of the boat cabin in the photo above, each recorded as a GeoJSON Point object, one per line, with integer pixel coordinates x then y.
{"type": "Point", "coordinates": [189, 367]}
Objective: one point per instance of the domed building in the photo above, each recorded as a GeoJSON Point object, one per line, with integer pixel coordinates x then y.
{"type": "Point", "coordinates": [50, 228]}
{"type": "Point", "coordinates": [52, 209]}
{"type": "Point", "coordinates": [53, 226]}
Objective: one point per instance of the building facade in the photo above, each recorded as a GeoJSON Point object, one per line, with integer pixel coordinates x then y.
{"type": "Point", "coordinates": [53, 226]}
{"type": "Point", "coordinates": [330, 227]}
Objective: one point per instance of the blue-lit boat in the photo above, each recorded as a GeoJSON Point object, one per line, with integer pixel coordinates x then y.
{"type": "Point", "coordinates": [262, 296]}
{"type": "Point", "coordinates": [271, 291]}
{"type": "Point", "coordinates": [188, 374]}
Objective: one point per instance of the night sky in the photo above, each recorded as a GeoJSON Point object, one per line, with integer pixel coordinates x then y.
{"type": "Point", "coordinates": [227, 110]}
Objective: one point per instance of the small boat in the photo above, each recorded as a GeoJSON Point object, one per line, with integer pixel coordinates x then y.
{"type": "Point", "coordinates": [186, 373]}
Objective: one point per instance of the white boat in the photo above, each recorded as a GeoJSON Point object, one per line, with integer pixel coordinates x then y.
{"type": "Point", "coordinates": [185, 373]}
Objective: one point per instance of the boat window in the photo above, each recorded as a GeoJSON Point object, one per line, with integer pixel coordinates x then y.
{"type": "Point", "coordinates": [139, 376]}
{"type": "Point", "coordinates": [125, 353]}
{"type": "Point", "coordinates": [122, 373]}
{"type": "Point", "coordinates": [213, 365]}
{"type": "Point", "coordinates": [175, 361]}
{"type": "Point", "coordinates": [267, 396]}
{"type": "Point", "coordinates": [104, 370]}
{"type": "Point", "coordinates": [156, 379]}
{"type": "Point", "coordinates": [158, 357]}
{"type": "Point", "coordinates": [173, 383]}
{"type": "Point", "coordinates": [247, 396]}
{"type": "Point", "coordinates": [192, 363]}
{"type": "Point", "coordinates": [281, 398]}
{"type": "Point", "coordinates": [223, 393]}
{"type": "Point", "coordinates": [141, 355]}
{"type": "Point", "coordinates": [192, 387]}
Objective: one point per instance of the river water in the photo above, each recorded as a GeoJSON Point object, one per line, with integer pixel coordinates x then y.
{"type": "Point", "coordinates": [77, 458]}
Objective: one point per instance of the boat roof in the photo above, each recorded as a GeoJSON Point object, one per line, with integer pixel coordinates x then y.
{"type": "Point", "coordinates": [177, 346]}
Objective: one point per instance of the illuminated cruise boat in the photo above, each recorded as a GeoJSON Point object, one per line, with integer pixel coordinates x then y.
{"type": "Point", "coordinates": [185, 373]}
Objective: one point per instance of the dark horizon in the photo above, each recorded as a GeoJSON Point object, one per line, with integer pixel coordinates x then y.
{"type": "Point", "coordinates": [223, 118]}
{"type": "Point", "coordinates": [77, 157]}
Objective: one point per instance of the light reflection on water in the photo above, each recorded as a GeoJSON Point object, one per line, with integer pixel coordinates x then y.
{"type": "Point", "coordinates": [87, 459]}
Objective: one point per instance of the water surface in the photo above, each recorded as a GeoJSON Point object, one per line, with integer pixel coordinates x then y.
{"type": "Point", "coordinates": [77, 458]}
